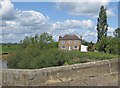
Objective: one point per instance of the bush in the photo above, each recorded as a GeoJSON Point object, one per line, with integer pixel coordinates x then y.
{"type": "Point", "coordinates": [33, 57]}
{"type": "Point", "coordinates": [108, 45]}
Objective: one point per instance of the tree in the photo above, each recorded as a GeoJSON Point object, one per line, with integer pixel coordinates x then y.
{"type": "Point", "coordinates": [24, 43]}
{"type": "Point", "coordinates": [112, 47]}
{"type": "Point", "coordinates": [102, 44]}
{"type": "Point", "coordinates": [85, 42]}
{"type": "Point", "coordinates": [91, 46]}
{"type": "Point", "coordinates": [117, 36]}
{"type": "Point", "coordinates": [46, 38]}
{"type": "Point", "coordinates": [117, 33]}
{"type": "Point", "coordinates": [102, 25]}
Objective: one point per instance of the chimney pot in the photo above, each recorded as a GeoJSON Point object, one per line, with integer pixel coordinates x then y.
{"type": "Point", "coordinates": [81, 37]}
{"type": "Point", "coordinates": [60, 37]}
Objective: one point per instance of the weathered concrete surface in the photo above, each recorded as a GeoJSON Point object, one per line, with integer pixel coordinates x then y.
{"type": "Point", "coordinates": [100, 73]}
{"type": "Point", "coordinates": [0, 73]}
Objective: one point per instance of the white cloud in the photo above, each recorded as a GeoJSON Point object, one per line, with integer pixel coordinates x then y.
{"type": "Point", "coordinates": [7, 10]}
{"type": "Point", "coordinates": [110, 13]}
{"type": "Point", "coordinates": [70, 24]}
{"type": "Point", "coordinates": [29, 18]}
{"type": "Point", "coordinates": [110, 31]}
{"type": "Point", "coordinates": [85, 8]}
{"type": "Point", "coordinates": [90, 33]}
{"type": "Point", "coordinates": [25, 22]}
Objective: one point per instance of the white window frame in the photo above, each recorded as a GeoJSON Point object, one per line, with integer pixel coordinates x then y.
{"type": "Point", "coordinates": [63, 42]}
{"type": "Point", "coordinates": [70, 41]}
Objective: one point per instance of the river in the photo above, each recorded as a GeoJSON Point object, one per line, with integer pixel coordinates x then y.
{"type": "Point", "coordinates": [3, 64]}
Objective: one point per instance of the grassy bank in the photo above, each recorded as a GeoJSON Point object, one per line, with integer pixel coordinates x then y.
{"type": "Point", "coordinates": [6, 50]}
{"type": "Point", "coordinates": [9, 48]}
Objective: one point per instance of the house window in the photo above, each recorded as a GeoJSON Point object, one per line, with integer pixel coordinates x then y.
{"type": "Point", "coordinates": [75, 46]}
{"type": "Point", "coordinates": [76, 41]}
{"type": "Point", "coordinates": [63, 47]}
{"type": "Point", "coordinates": [62, 42]}
{"type": "Point", "coordinates": [70, 41]}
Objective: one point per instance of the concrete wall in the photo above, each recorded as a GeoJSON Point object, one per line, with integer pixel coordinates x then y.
{"type": "Point", "coordinates": [100, 73]}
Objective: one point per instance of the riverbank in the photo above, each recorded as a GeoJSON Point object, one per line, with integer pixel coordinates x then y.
{"type": "Point", "coordinates": [5, 56]}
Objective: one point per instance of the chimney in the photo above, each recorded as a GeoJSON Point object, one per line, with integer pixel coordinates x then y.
{"type": "Point", "coordinates": [60, 37]}
{"type": "Point", "coordinates": [81, 37]}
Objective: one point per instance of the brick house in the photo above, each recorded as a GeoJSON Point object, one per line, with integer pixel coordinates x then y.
{"type": "Point", "coordinates": [69, 42]}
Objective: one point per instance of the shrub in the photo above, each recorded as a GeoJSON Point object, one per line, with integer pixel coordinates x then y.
{"type": "Point", "coordinates": [66, 63]}
{"type": "Point", "coordinates": [33, 57]}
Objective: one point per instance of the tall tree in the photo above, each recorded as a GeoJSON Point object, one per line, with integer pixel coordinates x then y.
{"type": "Point", "coordinates": [117, 33]}
{"type": "Point", "coordinates": [117, 36]}
{"type": "Point", "coordinates": [102, 25]}
{"type": "Point", "coordinates": [46, 38]}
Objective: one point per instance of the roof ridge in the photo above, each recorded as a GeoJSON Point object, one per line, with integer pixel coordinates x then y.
{"type": "Point", "coordinates": [70, 37]}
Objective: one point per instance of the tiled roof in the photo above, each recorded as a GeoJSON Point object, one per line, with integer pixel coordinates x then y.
{"type": "Point", "coordinates": [69, 37]}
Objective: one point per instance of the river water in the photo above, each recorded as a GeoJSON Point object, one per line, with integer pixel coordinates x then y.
{"type": "Point", "coordinates": [3, 64]}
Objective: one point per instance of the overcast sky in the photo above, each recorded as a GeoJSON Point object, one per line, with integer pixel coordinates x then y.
{"type": "Point", "coordinates": [20, 19]}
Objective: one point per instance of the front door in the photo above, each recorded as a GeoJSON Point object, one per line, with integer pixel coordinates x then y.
{"type": "Point", "coordinates": [69, 48]}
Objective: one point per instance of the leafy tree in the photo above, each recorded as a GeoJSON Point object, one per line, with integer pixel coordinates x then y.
{"type": "Point", "coordinates": [41, 41]}
{"type": "Point", "coordinates": [102, 25]}
{"type": "Point", "coordinates": [24, 43]}
{"type": "Point", "coordinates": [117, 33]}
{"type": "Point", "coordinates": [46, 38]}
{"type": "Point", "coordinates": [85, 42]}
{"type": "Point", "coordinates": [91, 46]}
{"type": "Point", "coordinates": [108, 44]}
{"type": "Point", "coordinates": [112, 47]}
{"type": "Point", "coordinates": [102, 44]}
{"type": "Point", "coordinates": [117, 36]}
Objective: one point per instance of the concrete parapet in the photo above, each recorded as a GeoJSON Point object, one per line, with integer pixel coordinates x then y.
{"type": "Point", "coordinates": [99, 73]}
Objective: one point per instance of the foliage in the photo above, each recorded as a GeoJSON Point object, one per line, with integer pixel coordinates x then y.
{"type": "Point", "coordinates": [117, 37]}
{"type": "Point", "coordinates": [84, 42]}
{"type": "Point", "coordinates": [44, 41]}
{"type": "Point", "coordinates": [108, 45]}
{"type": "Point", "coordinates": [102, 44]}
{"type": "Point", "coordinates": [66, 63]}
{"type": "Point", "coordinates": [34, 57]}
{"type": "Point", "coordinates": [102, 25]}
{"type": "Point", "coordinates": [41, 51]}
{"type": "Point", "coordinates": [112, 47]}
{"type": "Point", "coordinates": [117, 33]}
{"type": "Point", "coordinates": [91, 46]}
{"type": "Point", "coordinates": [9, 48]}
